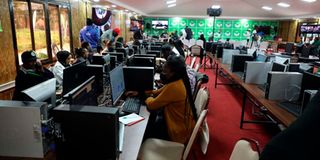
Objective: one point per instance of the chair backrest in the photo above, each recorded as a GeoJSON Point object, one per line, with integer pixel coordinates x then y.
{"type": "Point", "coordinates": [243, 151]}
{"type": "Point", "coordinates": [192, 42]}
{"type": "Point", "coordinates": [195, 50]}
{"type": "Point", "coordinates": [194, 134]}
{"type": "Point", "coordinates": [199, 42]}
{"type": "Point", "coordinates": [202, 99]}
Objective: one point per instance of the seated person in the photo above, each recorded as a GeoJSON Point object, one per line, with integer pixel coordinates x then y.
{"type": "Point", "coordinates": [31, 73]}
{"type": "Point", "coordinates": [82, 54]}
{"type": "Point", "coordinates": [120, 43]}
{"type": "Point", "coordinates": [63, 62]}
{"type": "Point", "coordinates": [175, 98]}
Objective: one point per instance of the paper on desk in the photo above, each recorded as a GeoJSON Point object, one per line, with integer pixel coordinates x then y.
{"type": "Point", "coordinates": [130, 119]}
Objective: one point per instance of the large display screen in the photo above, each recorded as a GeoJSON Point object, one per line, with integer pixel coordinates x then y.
{"type": "Point", "coordinates": [310, 29]}
{"type": "Point", "coordinates": [160, 24]}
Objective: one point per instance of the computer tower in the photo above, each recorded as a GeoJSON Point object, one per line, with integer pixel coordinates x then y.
{"type": "Point", "coordinates": [23, 129]}
{"type": "Point", "coordinates": [256, 72]}
{"type": "Point", "coordinates": [227, 55]}
{"type": "Point", "coordinates": [280, 84]}
{"type": "Point", "coordinates": [86, 132]}
{"type": "Point", "coordinates": [307, 96]}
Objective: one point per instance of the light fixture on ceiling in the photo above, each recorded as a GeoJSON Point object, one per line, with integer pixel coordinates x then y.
{"type": "Point", "coordinates": [282, 4]}
{"type": "Point", "coordinates": [114, 6]}
{"type": "Point", "coordinates": [171, 1]}
{"type": "Point", "coordinates": [215, 6]}
{"type": "Point", "coordinates": [309, 1]}
{"type": "Point", "coordinates": [96, 0]}
{"type": "Point", "coordinates": [126, 10]}
{"type": "Point", "coordinates": [266, 8]}
{"type": "Point", "coordinates": [107, 6]}
{"type": "Point", "coordinates": [171, 5]}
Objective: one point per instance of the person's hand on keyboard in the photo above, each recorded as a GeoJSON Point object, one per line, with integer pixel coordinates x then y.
{"type": "Point", "coordinates": [131, 93]}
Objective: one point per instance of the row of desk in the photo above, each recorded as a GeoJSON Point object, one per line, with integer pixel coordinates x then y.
{"type": "Point", "coordinates": [255, 94]}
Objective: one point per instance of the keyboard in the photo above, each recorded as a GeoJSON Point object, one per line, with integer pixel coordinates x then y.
{"type": "Point", "coordinates": [131, 105]}
{"type": "Point", "coordinates": [292, 107]}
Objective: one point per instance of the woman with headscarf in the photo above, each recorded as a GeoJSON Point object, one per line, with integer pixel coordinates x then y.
{"type": "Point", "coordinates": [62, 63]}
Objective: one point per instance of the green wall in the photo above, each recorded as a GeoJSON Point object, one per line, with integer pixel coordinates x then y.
{"type": "Point", "coordinates": [233, 29]}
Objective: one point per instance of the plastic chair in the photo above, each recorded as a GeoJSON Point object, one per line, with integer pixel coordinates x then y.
{"type": "Point", "coordinates": [243, 150]}
{"type": "Point", "coordinates": [157, 149]}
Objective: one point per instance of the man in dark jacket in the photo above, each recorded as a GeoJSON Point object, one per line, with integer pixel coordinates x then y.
{"type": "Point", "coordinates": [189, 33]}
{"type": "Point", "coordinates": [300, 140]}
{"type": "Point", "coordinates": [31, 73]}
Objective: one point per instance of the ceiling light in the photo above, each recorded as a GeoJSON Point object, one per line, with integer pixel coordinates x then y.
{"type": "Point", "coordinates": [114, 6]}
{"type": "Point", "coordinates": [266, 8]}
{"type": "Point", "coordinates": [107, 6]}
{"type": "Point", "coordinates": [281, 4]}
{"type": "Point", "coordinates": [171, 5]}
{"type": "Point", "coordinates": [215, 6]}
{"type": "Point", "coordinates": [96, 0]}
{"type": "Point", "coordinates": [309, 1]}
{"type": "Point", "coordinates": [171, 1]}
{"type": "Point", "coordinates": [126, 10]}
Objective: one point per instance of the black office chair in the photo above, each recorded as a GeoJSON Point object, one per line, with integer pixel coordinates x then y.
{"type": "Point", "coordinates": [305, 51]}
{"type": "Point", "coordinates": [122, 50]}
{"type": "Point", "coordinates": [155, 48]}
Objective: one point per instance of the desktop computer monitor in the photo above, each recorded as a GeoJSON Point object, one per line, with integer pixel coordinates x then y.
{"type": "Point", "coordinates": [43, 92]}
{"type": "Point", "coordinates": [277, 67]}
{"type": "Point", "coordinates": [120, 56]}
{"type": "Point", "coordinates": [143, 61]}
{"type": "Point", "coordinates": [101, 59]}
{"type": "Point", "coordinates": [73, 76]}
{"type": "Point", "coordinates": [138, 78]}
{"type": "Point", "coordinates": [294, 67]}
{"type": "Point", "coordinates": [238, 62]}
{"type": "Point", "coordinates": [85, 94]}
{"type": "Point", "coordinates": [261, 58]}
{"type": "Point", "coordinates": [310, 81]}
{"type": "Point", "coordinates": [117, 83]}
{"type": "Point", "coordinates": [97, 71]}
{"type": "Point", "coordinates": [282, 60]}
{"type": "Point", "coordinates": [113, 62]}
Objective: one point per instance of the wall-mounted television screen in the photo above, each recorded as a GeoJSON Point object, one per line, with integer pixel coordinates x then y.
{"type": "Point", "coordinates": [160, 24]}
{"type": "Point", "coordinates": [310, 29]}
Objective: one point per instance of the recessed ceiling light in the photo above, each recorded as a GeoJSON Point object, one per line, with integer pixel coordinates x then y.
{"type": "Point", "coordinates": [281, 4]}
{"type": "Point", "coordinates": [114, 6]}
{"type": "Point", "coordinates": [215, 6]}
{"type": "Point", "coordinates": [266, 8]}
{"type": "Point", "coordinates": [171, 5]}
{"type": "Point", "coordinates": [126, 10]}
{"type": "Point", "coordinates": [96, 0]}
{"type": "Point", "coordinates": [171, 1]}
{"type": "Point", "coordinates": [309, 1]}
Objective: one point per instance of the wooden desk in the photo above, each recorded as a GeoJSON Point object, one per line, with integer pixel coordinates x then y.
{"type": "Point", "coordinates": [252, 90]}
{"type": "Point", "coordinates": [132, 141]}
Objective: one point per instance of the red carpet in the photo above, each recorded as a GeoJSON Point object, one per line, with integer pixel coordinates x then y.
{"type": "Point", "coordinates": [224, 112]}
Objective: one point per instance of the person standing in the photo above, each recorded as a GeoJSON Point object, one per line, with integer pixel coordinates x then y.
{"type": "Point", "coordinates": [248, 35]}
{"type": "Point", "coordinates": [189, 33]}
{"type": "Point", "coordinates": [90, 34]}
{"type": "Point", "coordinates": [254, 36]}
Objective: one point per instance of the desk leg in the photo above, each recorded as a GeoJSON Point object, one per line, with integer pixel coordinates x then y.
{"type": "Point", "coordinates": [244, 99]}
{"type": "Point", "coordinates": [216, 81]}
